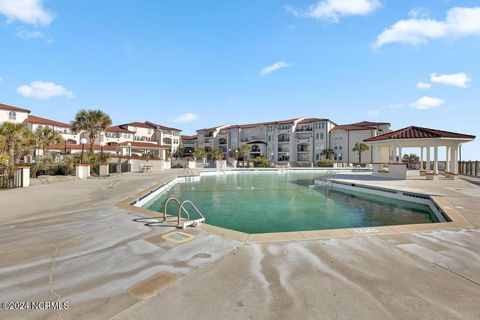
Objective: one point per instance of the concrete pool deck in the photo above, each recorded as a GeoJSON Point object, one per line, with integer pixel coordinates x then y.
{"type": "Point", "coordinates": [68, 241]}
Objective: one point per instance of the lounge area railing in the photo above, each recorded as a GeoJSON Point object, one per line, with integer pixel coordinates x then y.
{"type": "Point", "coordinates": [469, 168]}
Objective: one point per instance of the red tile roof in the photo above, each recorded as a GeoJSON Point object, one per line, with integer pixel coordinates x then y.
{"type": "Point", "coordinates": [363, 125]}
{"type": "Point", "coordinates": [256, 142]}
{"type": "Point", "coordinates": [159, 126]}
{"type": "Point", "coordinates": [253, 125]}
{"type": "Point", "coordinates": [12, 108]}
{"type": "Point", "coordinates": [414, 132]}
{"type": "Point", "coordinates": [137, 144]}
{"type": "Point", "coordinates": [352, 127]}
{"type": "Point", "coordinates": [213, 128]}
{"type": "Point", "coordinates": [138, 124]}
{"type": "Point", "coordinates": [118, 129]}
{"type": "Point", "coordinates": [38, 120]}
{"type": "Point", "coordinates": [72, 146]}
{"type": "Point", "coordinates": [370, 123]}
{"type": "Point", "coordinates": [188, 137]}
{"type": "Point", "coordinates": [309, 120]}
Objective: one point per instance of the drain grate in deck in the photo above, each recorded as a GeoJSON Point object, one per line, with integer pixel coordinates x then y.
{"type": "Point", "coordinates": [177, 237]}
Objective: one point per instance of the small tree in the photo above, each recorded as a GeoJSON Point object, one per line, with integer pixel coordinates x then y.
{"type": "Point", "coordinates": [328, 152]}
{"type": "Point", "coordinates": [244, 150]}
{"type": "Point", "coordinates": [410, 158]}
{"type": "Point", "coordinates": [199, 153]}
{"type": "Point", "coordinates": [360, 147]}
{"type": "Point", "coordinates": [43, 137]}
{"type": "Point", "coordinates": [261, 161]}
{"type": "Point", "coordinates": [216, 154]}
{"type": "Point", "coordinates": [179, 152]}
{"type": "Point", "coordinates": [92, 122]}
{"type": "Point", "coordinates": [15, 138]}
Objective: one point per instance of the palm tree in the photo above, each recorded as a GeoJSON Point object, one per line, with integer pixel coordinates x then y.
{"type": "Point", "coordinates": [328, 152]}
{"type": "Point", "coordinates": [92, 122]}
{"type": "Point", "coordinates": [199, 153]}
{"type": "Point", "coordinates": [179, 152]}
{"type": "Point", "coordinates": [243, 151]}
{"type": "Point", "coordinates": [216, 154]}
{"type": "Point", "coordinates": [43, 137]}
{"type": "Point", "coordinates": [360, 147]}
{"type": "Point", "coordinates": [410, 158]}
{"type": "Point", "coordinates": [15, 136]}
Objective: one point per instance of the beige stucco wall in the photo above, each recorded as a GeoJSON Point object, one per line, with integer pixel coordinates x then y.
{"type": "Point", "coordinates": [20, 116]}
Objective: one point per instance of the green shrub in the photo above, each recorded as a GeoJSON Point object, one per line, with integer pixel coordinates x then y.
{"type": "Point", "coordinates": [325, 163]}
{"type": "Point", "coordinates": [261, 162]}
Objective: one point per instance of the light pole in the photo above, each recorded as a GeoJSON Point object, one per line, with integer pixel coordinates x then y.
{"type": "Point", "coordinates": [102, 144]}
{"type": "Point", "coordinates": [82, 141]}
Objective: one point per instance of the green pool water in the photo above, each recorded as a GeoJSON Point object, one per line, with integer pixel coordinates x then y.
{"type": "Point", "coordinates": [273, 202]}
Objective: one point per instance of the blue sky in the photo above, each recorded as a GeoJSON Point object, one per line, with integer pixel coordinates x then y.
{"type": "Point", "coordinates": [193, 64]}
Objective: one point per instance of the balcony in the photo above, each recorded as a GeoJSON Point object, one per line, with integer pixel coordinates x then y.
{"type": "Point", "coordinates": [252, 138]}
{"type": "Point", "coordinates": [283, 138]}
{"type": "Point", "coordinates": [304, 129]}
{"type": "Point", "coordinates": [303, 148]}
{"type": "Point", "coordinates": [304, 139]}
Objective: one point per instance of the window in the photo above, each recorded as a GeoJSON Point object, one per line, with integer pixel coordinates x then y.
{"type": "Point", "coordinates": [316, 136]}
{"type": "Point", "coordinates": [321, 135]}
{"type": "Point", "coordinates": [12, 115]}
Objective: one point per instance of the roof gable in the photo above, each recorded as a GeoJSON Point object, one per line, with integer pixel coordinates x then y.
{"type": "Point", "coordinates": [38, 120]}
{"type": "Point", "coordinates": [12, 108]}
{"type": "Point", "coordinates": [414, 132]}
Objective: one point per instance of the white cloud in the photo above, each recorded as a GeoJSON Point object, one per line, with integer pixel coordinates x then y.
{"type": "Point", "coordinates": [456, 79]}
{"type": "Point", "coordinates": [373, 113]}
{"type": "Point", "coordinates": [424, 85]}
{"type": "Point", "coordinates": [419, 13]}
{"type": "Point", "coordinates": [425, 103]}
{"type": "Point", "coordinates": [44, 90]}
{"type": "Point", "coordinates": [459, 22]}
{"type": "Point", "coordinates": [26, 11]}
{"type": "Point", "coordinates": [186, 117]}
{"type": "Point", "coordinates": [27, 35]}
{"type": "Point", "coordinates": [274, 67]}
{"type": "Point", "coordinates": [397, 106]}
{"type": "Point", "coordinates": [333, 10]}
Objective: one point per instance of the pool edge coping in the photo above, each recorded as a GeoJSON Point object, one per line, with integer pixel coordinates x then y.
{"type": "Point", "coordinates": [458, 222]}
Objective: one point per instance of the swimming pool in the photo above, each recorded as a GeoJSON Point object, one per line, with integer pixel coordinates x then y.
{"type": "Point", "coordinates": [260, 202]}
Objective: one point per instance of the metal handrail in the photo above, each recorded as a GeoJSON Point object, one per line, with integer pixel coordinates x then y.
{"type": "Point", "coordinates": [193, 206]}
{"type": "Point", "coordinates": [187, 172]}
{"type": "Point", "coordinates": [165, 206]}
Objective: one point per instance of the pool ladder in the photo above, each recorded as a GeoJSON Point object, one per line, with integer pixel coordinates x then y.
{"type": "Point", "coordinates": [183, 223]}
{"type": "Point", "coordinates": [188, 174]}
{"type": "Point", "coordinates": [326, 179]}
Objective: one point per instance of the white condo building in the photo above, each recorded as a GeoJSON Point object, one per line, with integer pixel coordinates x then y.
{"type": "Point", "coordinates": [344, 137]}
{"type": "Point", "coordinates": [299, 140]}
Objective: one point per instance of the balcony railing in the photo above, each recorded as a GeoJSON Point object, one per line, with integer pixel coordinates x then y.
{"type": "Point", "coordinates": [304, 129]}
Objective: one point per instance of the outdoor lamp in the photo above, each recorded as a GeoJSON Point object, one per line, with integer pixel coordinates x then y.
{"type": "Point", "coordinates": [82, 141]}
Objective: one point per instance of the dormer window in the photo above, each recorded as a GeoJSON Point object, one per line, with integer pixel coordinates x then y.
{"type": "Point", "coordinates": [12, 115]}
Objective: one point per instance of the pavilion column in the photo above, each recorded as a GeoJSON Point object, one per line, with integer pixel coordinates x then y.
{"type": "Point", "coordinates": [421, 158]}
{"type": "Point", "coordinates": [435, 159]}
{"type": "Point", "coordinates": [428, 160]}
{"type": "Point", "coordinates": [399, 154]}
{"type": "Point", "coordinates": [455, 160]}
{"type": "Point", "coordinates": [447, 159]}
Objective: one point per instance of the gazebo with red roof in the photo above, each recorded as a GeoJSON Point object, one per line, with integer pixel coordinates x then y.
{"type": "Point", "coordinates": [387, 150]}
